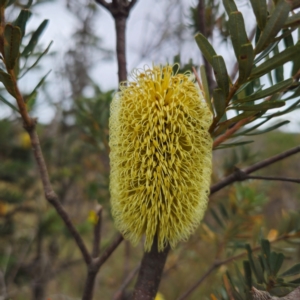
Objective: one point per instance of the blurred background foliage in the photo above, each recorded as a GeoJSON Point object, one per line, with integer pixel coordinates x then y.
{"type": "Point", "coordinates": [38, 259]}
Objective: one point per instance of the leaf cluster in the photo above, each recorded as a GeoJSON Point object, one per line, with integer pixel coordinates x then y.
{"type": "Point", "coordinates": [246, 97]}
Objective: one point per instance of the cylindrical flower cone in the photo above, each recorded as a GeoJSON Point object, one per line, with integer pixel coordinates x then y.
{"type": "Point", "coordinates": [161, 154]}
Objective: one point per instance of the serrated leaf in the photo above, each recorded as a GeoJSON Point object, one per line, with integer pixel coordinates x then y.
{"type": "Point", "coordinates": [281, 86]}
{"type": "Point", "coordinates": [269, 128]}
{"type": "Point", "coordinates": [273, 25]}
{"type": "Point", "coordinates": [259, 107]}
{"type": "Point", "coordinates": [8, 83]}
{"type": "Point", "coordinates": [205, 47]}
{"type": "Point", "coordinates": [205, 87]}
{"type": "Point", "coordinates": [221, 74]}
{"type": "Point", "coordinates": [245, 61]}
{"type": "Point", "coordinates": [219, 102]}
{"type": "Point", "coordinates": [275, 61]}
{"type": "Point", "coordinates": [34, 38]}
{"type": "Point", "coordinates": [294, 270]}
{"type": "Point", "coordinates": [261, 12]}
{"type": "Point", "coordinates": [230, 6]}
{"type": "Point", "coordinates": [8, 103]}
{"type": "Point", "coordinates": [237, 32]}
{"type": "Point", "coordinates": [22, 19]}
{"type": "Point", "coordinates": [12, 43]}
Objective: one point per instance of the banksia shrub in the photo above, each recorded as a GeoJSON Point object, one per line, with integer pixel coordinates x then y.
{"type": "Point", "coordinates": [160, 157]}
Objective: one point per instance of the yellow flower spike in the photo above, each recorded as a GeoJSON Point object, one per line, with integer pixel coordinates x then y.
{"type": "Point", "coordinates": [160, 156]}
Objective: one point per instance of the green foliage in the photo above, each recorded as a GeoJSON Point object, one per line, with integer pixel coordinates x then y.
{"type": "Point", "coordinates": [273, 27]}
{"type": "Point", "coordinates": [262, 272]}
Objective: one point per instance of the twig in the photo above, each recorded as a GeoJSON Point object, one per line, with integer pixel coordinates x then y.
{"type": "Point", "coordinates": [120, 291]}
{"type": "Point", "coordinates": [97, 233]}
{"type": "Point", "coordinates": [107, 253]}
{"type": "Point", "coordinates": [217, 263]}
{"type": "Point", "coordinates": [239, 175]}
{"type": "Point", "coordinates": [230, 132]}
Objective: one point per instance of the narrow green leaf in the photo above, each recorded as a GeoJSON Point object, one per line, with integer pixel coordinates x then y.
{"type": "Point", "coordinates": [237, 32]}
{"type": "Point", "coordinates": [216, 217]}
{"type": "Point", "coordinates": [221, 74]}
{"type": "Point", "coordinates": [42, 80]}
{"type": "Point", "coordinates": [250, 129]}
{"type": "Point", "coordinates": [266, 249]}
{"type": "Point", "coordinates": [295, 270]}
{"type": "Point", "coordinates": [257, 34]}
{"type": "Point", "coordinates": [261, 12]}
{"type": "Point", "coordinates": [281, 86]}
{"type": "Point", "coordinates": [219, 102]}
{"type": "Point", "coordinates": [8, 103]}
{"type": "Point", "coordinates": [276, 262]}
{"type": "Point", "coordinates": [230, 6]}
{"type": "Point", "coordinates": [229, 145]}
{"type": "Point", "coordinates": [268, 129]}
{"type": "Point", "coordinates": [12, 43]}
{"type": "Point", "coordinates": [288, 40]}
{"type": "Point", "coordinates": [265, 52]}
{"type": "Point", "coordinates": [205, 87]}
{"type": "Point", "coordinates": [248, 275]}
{"type": "Point", "coordinates": [223, 211]}
{"type": "Point", "coordinates": [289, 109]}
{"type": "Point", "coordinates": [7, 81]}
{"type": "Point", "coordinates": [38, 59]}
{"type": "Point", "coordinates": [259, 107]}
{"type": "Point", "coordinates": [245, 60]}
{"type": "Point", "coordinates": [22, 19]}
{"type": "Point", "coordinates": [34, 38]}
{"type": "Point", "coordinates": [225, 125]}
{"type": "Point", "coordinates": [279, 70]}
{"type": "Point", "coordinates": [293, 20]}
{"type": "Point", "coordinates": [205, 47]}
{"type": "Point", "coordinates": [275, 61]}
{"type": "Point", "coordinates": [296, 65]}
{"type": "Point", "coordinates": [273, 25]}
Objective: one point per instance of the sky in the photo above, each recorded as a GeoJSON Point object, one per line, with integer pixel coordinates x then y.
{"type": "Point", "coordinates": [142, 25]}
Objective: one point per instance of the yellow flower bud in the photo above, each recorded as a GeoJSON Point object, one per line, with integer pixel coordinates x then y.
{"type": "Point", "coordinates": [160, 156]}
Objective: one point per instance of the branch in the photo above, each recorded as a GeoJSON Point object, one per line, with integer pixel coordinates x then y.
{"type": "Point", "coordinates": [29, 125]}
{"type": "Point", "coordinates": [239, 175]}
{"type": "Point", "coordinates": [97, 233]}
{"type": "Point", "coordinates": [151, 269]}
{"type": "Point", "coordinates": [218, 263]}
{"type": "Point", "coordinates": [108, 252]}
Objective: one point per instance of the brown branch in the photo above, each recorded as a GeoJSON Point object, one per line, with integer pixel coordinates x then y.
{"type": "Point", "coordinates": [218, 263]}
{"type": "Point", "coordinates": [120, 24]}
{"type": "Point", "coordinates": [239, 175]}
{"type": "Point", "coordinates": [108, 252]}
{"type": "Point", "coordinates": [150, 273]}
{"type": "Point", "coordinates": [97, 233]}
{"type": "Point", "coordinates": [230, 132]}
{"type": "Point", "coordinates": [29, 125]}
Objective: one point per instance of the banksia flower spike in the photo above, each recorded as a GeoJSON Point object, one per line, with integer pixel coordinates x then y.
{"type": "Point", "coordinates": [160, 157]}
